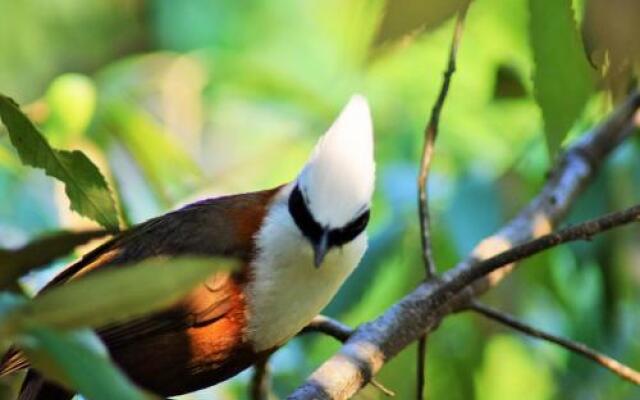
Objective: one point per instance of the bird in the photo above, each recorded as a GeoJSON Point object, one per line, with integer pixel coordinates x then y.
{"type": "Point", "coordinates": [296, 244]}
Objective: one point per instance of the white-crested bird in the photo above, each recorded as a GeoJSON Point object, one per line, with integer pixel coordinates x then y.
{"type": "Point", "coordinates": [297, 243]}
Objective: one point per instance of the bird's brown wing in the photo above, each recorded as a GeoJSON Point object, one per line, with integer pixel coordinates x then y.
{"type": "Point", "coordinates": [223, 226]}
{"type": "Point", "coordinates": [204, 305]}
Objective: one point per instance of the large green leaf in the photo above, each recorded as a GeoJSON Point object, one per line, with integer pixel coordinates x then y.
{"type": "Point", "coordinates": [84, 184]}
{"type": "Point", "coordinates": [40, 252]}
{"type": "Point", "coordinates": [113, 295]}
{"type": "Point", "coordinates": [562, 78]}
{"type": "Point", "coordinates": [78, 360]}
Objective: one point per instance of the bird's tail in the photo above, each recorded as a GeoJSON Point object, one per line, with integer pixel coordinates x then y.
{"type": "Point", "coordinates": [35, 387]}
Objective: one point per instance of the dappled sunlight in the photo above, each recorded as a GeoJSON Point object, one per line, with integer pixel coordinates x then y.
{"type": "Point", "coordinates": [490, 247]}
{"type": "Point", "coordinates": [541, 225]}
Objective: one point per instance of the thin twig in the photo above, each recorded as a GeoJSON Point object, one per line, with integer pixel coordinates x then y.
{"type": "Point", "coordinates": [614, 366]}
{"type": "Point", "coordinates": [421, 361]}
{"type": "Point", "coordinates": [583, 231]}
{"type": "Point", "coordinates": [382, 388]}
{"type": "Point", "coordinates": [260, 382]}
{"type": "Point", "coordinates": [428, 150]}
{"type": "Point", "coordinates": [341, 333]}
{"type": "Point", "coordinates": [430, 135]}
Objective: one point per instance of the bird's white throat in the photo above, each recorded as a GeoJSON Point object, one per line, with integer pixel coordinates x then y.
{"type": "Point", "coordinates": [286, 290]}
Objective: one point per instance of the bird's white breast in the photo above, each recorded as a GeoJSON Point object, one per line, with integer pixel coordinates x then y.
{"type": "Point", "coordinates": [286, 290]}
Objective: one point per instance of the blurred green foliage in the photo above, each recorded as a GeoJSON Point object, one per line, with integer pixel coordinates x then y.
{"type": "Point", "coordinates": [173, 101]}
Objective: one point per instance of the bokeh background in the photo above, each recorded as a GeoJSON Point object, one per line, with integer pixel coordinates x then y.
{"type": "Point", "coordinates": [176, 100]}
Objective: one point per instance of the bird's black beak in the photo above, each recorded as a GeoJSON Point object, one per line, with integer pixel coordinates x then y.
{"type": "Point", "coordinates": [320, 249]}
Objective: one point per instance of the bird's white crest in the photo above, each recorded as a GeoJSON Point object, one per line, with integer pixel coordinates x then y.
{"type": "Point", "coordinates": [338, 180]}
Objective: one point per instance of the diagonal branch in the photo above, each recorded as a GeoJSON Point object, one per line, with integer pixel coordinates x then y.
{"type": "Point", "coordinates": [420, 311]}
{"type": "Point", "coordinates": [576, 347]}
{"type": "Point", "coordinates": [583, 231]}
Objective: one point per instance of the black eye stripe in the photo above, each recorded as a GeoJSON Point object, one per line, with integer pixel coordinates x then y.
{"type": "Point", "coordinates": [302, 216]}
{"type": "Point", "coordinates": [312, 230]}
{"type": "Point", "coordinates": [340, 236]}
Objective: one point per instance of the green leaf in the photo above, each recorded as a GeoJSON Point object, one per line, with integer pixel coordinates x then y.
{"type": "Point", "coordinates": [85, 186]}
{"type": "Point", "coordinates": [404, 17]}
{"type": "Point", "coordinates": [39, 253]}
{"type": "Point", "coordinates": [114, 295]}
{"type": "Point", "coordinates": [562, 78]}
{"type": "Point", "coordinates": [78, 360]}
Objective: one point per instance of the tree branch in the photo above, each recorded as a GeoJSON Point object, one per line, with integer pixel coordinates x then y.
{"type": "Point", "coordinates": [583, 231]}
{"type": "Point", "coordinates": [330, 327]}
{"type": "Point", "coordinates": [319, 324]}
{"type": "Point", "coordinates": [341, 333]}
{"type": "Point", "coordinates": [420, 311]}
{"type": "Point", "coordinates": [576, 347]}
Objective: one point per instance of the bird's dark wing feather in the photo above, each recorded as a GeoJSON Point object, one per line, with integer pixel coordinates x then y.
{"type": "Point", "coordinates": [223, 226]}
{"type": "Point", "coordinates": [201, 307]}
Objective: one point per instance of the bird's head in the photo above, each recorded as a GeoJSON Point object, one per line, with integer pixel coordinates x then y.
{"type": "Point", "coordinates": [332, 195]}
